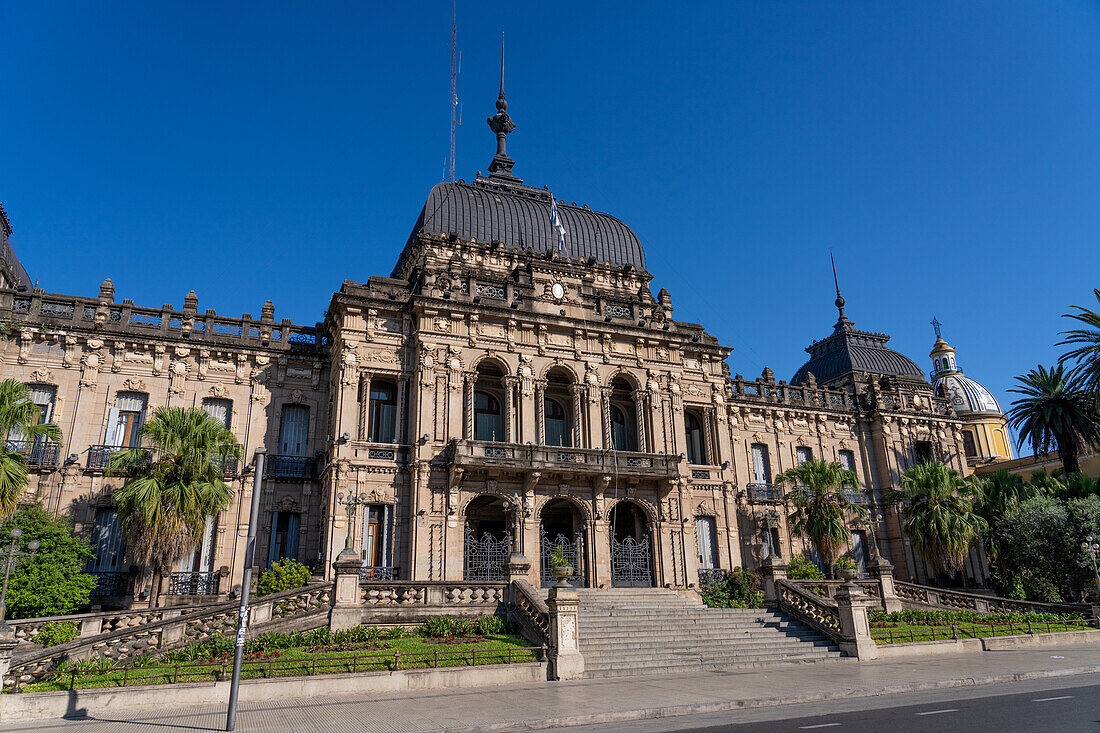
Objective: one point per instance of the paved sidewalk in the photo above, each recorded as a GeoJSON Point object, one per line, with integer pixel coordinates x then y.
{"type": "Point", "coordinates": [544, 705]}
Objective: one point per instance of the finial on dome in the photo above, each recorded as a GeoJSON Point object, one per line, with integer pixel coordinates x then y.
{"type": "Point", "coordinates": [501, 124]}
{"type": "Point", "coordinates": [842, 321]}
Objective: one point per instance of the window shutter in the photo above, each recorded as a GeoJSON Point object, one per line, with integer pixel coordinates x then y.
{"type": "Point", "coordinates": [114, 429]}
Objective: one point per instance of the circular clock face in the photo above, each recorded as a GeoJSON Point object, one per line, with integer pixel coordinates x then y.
{"type": "Point", "coordinates": [557, 290]}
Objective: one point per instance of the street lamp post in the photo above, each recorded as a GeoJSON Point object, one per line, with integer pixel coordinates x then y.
{"type": "Point", "coordinates": [351, 504]}
{"type": "Point", "coordinates": [1092, 548]}
{"type": "Point", "coordinates": [770, 519]}
{"type": "Point", "coordinates": [246, 586]}
{"type": "Point", "coordinates": [872, 521]}
{"type": "Point", "coordinates": [10, 562]}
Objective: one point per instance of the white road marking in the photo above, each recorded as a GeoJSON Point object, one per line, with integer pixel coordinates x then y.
{"type": "Point", "coordinates": [1048, 699]}
{"type": "Point", "coordinates": [937, 712]}
{"type": "Point", "coordinates": [820, 725]}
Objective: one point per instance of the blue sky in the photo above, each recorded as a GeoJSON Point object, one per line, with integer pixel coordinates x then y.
{"type": "Point", "coordinates": [947, 153]}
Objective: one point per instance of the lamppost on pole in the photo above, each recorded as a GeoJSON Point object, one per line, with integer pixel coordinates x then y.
{"type": "Point", "coordinates": [13, 558]}
{"type": "Point", "coordinates": [1092, 548]}
{"type": "Point", "coordinates": [246, 586]}
{"type": "Point", "coordinates": [770, 519]}
{"type": "Point", "coordinates": [872, 521]}
{"type": "Point", "coordinates": [351, 504]}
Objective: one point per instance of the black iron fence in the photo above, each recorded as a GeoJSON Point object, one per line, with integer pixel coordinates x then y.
{"type": "Point", "coordinates": [194, 584]}
{"type": "Point", "coordinates": [112, 584]}
{"type": "Point", "coordinates": [378, 573]}
{"type": "Point", "coordinates": [299, 467]}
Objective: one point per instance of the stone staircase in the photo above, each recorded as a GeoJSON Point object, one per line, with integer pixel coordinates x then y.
{"type": "Point", "coordinates": [634, 631]}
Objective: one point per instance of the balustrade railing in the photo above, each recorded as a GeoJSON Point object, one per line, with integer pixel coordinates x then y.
{"type": "Point", "coordinates": [957, 600]}
{"type": "Point", "coordinates": [763, 492]}
{"type": "Point", "coordinates": [810, 609]}
{"type": "Point", "coordinates": [588, 460]}
{"type": "Point", "coordinates": [291, 467]}
{"type": "Point", "coordinates": [531, 612]}
{"type": "Point", "coordinates": [36, 453]}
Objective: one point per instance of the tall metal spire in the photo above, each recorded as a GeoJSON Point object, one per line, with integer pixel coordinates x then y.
{"type": "Point", "coordinates": [839, 302]}
{"type": "Point", "coordinates": [501, 124]}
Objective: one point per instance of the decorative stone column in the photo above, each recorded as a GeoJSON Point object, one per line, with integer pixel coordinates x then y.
{"type": "Point", "coordinates": [468, 417]}
{"type": "Point", "coordinates": [773, 569]}
{"type": "Point", "coordinates": [7, 644]}
{"type": "Point", "coordinates": [540, 412]}
{"type": "Point", "coordinates": [640, 396]}
{"type": "Point", "coordinates": [566, 662]}
{"type": "Point", "coordinates": [1093, 599]}
{"type": "Point", "coordinates": [605, 412]}
{"type": "Point", "coordinates": [851, 604]}
{"type": "Point", "coordinates": [399, 430]}
{"type": "Point", "coordinates": [577, 392]}
{"type": "Point", "coordinates": [347, 611]}
{"type": "Point", "coordinates": [364, 405]}
{"type": "Point", "coordinates": [881, 570]}
{"type": "Point", "coordinates": [509, 384]}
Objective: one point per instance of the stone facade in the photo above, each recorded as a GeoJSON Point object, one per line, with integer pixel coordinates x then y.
{"type": "Point", "coordinates": [512, 387]}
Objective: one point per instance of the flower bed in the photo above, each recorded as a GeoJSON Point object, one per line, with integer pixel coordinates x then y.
{"type": "Point", "coordinates": [361, 649]}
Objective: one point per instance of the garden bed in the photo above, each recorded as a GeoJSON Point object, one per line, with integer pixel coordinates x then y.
{"type": "Point", "coordinates": [905, 627]}
{"type": "Point", "coordinates": [455, 643]}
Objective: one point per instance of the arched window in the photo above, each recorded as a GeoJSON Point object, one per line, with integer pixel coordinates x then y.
{"type": "Point", "coordinates": [693, 431]}
{"type": "Point", "coordinates": [488, 424]}
{"type": "Point", "coordinates": [622, 432]}
{"type": "Point", "coordinates": [382, 418]}
{"type": "Point", "coordinates": [969, 448]}
{"type": "Point", "coordinates": [557, 426]}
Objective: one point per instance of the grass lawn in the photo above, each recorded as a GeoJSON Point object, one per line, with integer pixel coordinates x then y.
{"type": "Point", "coordinates": [405, 653]}
{"type": "Point", "coordinates": [901, 633]}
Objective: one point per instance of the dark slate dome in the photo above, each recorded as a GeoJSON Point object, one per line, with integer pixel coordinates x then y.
{"type": "Point", "coordinates": [851, 350]}
{"type": "Point", "coordinates": [519, 217]}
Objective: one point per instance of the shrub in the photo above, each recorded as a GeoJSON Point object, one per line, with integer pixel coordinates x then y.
{"type": "Point", "coordinates": [53, 581]}
{"type": "Point", "coordinates": [488, 625]}
{"type": "Point", "coordinates": [737, 589]}
{"type": "Point", "coordinates": [845, 563]}
{"type": "Point", "coordinates": [439, 627]}
{"type": "Point", "coordinates": [942, 617]}
{"type": "Point", "coordinates": [803, 568]}
{"type": "Point", "coordinates": [56, 632]}
{"type": "Point", "coordinates": [285, 574]}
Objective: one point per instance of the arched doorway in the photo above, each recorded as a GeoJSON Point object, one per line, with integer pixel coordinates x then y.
{"type": "Point", "coordinates": [561, 526]}
{"type": "Point", "coordinates": [488, 543]}
{"type": "Point", "coordinates": [631, 546]}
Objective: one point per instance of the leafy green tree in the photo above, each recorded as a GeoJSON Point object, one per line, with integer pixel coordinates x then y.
{"type": "Point", "coordinates": [1054, 414]}
{"type": "Point", "coordinates": [1065, 486]}
{"type": "Point", "coordinates": [1041, 544]}
{"type": "Point", "coordinates": [996, 495]}
{"type": "Point", "coordinates": [821, 510]}
{"type": "Point", "coordinates": [285, 574]}
{"type": "Point", "coordinates": [938, 515]}
{"type": "Point", "coordinates": [52, 582]}
{"type": "Point", "coordinates": [173, 484]}
{"type": "Point", "coordinates": [803, 568]}
{"type": "Point", "coordinates": [18, 421]}
{"type": "Point", "coordinates": [1086, 343]}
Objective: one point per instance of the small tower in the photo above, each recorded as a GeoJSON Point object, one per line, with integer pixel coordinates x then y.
{"type": "Point", "coordinates": [985, 433]}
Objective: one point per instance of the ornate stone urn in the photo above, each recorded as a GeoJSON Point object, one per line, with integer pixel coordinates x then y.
{"type": "Point", "coordinates": [561, 573]}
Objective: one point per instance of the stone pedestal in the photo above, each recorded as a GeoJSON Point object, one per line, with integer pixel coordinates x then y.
{"type": "Point", "coordinates": [773, 569]}
{"type": "Point", "coordinates": [347, 608]}
{"type": "Point", "coordinates": [566, 662]}
{"type": "Point", "coordinates": [1093, 599]}
{"type": "Point", "coordinates": [518, 567]}
{"type": "Point", "coordinates": [7, 644]}
{"type": "Point", "coordinates": [851, 603]}
{"type": "Point", "coordinates": [881, 570]}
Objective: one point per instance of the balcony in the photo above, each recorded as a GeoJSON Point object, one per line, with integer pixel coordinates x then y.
{"type": "Point", "coordinates": [36, 454]}
{"type": "Point", "coordinates": [98, 455]}
{"type": "Point", "coordinates": [111, 584]}
{"type": "Point", "coordinates": [194, 584]}
{"type": "Point", "coordinates": [763, 493]}
{"type": "Point", "coordinates": [290, 467]}
{"type": "Point", "coordinates": [857, 496]}
{"type": "Point", "coordinates": [226, 464]}
{"type": "Point", "coordinates": [486, 454]}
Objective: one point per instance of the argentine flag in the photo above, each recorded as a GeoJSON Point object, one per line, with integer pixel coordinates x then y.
{"type": "Point", "coordinates": [555, 221]}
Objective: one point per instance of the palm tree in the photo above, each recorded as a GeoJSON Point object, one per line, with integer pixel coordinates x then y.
{"type": "Point", "coordinates": [1054, 414]}
{"type": "Point", "coordinates": [821, 510]}
{"type": "Point", "coordinates": [173, 485]}
{"type": "Point", "coordinates": [18, 421]}
{"type": "Point", "coordinates": [1087, 347]}
{"type": "Point", "coordinates": [938, 515]}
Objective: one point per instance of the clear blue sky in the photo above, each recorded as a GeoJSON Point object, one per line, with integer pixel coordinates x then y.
{"type": "Point", "coordinates": [948, 153]}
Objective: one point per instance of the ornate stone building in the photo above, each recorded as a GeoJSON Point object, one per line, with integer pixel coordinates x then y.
{"type": "Point", "coordinates": [513, 385]}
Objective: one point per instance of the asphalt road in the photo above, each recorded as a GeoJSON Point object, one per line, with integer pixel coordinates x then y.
{"type": "Point", "coordinates": [1062, 705]}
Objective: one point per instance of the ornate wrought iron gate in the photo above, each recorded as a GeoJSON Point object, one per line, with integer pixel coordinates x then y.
{"type": "Point", "coordinates": [631, 562]}
{"type": "Point", "coordinates": [573, 551]}
{"type": "Point", "coordinates": [485, 557]}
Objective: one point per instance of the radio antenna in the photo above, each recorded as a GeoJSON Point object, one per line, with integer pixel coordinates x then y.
{"type": "Point", "coordinates": [454, 85]}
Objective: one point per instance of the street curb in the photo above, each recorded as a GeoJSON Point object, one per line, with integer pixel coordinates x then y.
{"type": "Point", "coordinates": [763, 702]}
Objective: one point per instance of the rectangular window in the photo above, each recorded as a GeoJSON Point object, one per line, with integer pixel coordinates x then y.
{"type": "Point", "coordinates": [382, 417]}
{"type": "Point", "coordinates": [377, 535]}
{"type": "Point", "coordinates": [803, 454]}
{"type": "Point", "coordinates": [41, 395]}
{"type": "Point", "coordinates": [847, 460]}
{"type": "Point", "coordinates": [284, 536]}
{"type": "Point", "coordinates": [922, 449]}
{"type": "Point", "coordinates": [126, 420]}
{"type": "Point", "coordinates": [293, 430]}
{"type": "Point", "coordinates": [106, 542]}
{"type": "Point", "coordinates": [761, 469]}
{"type": "Point", "coordinates": [220, 410]}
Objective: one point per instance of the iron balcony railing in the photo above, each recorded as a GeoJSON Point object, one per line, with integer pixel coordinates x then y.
{"type": "Point", "coordinates": [36, 453]}
{"type": "Point", "coordinates": [857, 496]}
{"type": "Point", "coordinates": [227, 464]}
{"type": "Point", "coordinates": [194, 584]}
{"type": "Point", "coordinates": [291, 467]}
{"type": "Point", "coordinates": [111, 583]}
{"type": "Point", "coordinates": [763, 492]}
{"type": "Point", "coordinates": [98, 455]}
{"type": "Point", "coordinates": [378, 573]}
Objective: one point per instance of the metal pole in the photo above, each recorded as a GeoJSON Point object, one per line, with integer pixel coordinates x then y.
{"type": "Point", "coordinates": [246, 582]}
{"type": "Point", "coordinates": [7, 573]}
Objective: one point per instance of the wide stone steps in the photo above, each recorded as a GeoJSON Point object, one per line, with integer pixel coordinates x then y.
{"type": "Point", "coordinates": [653, 630]}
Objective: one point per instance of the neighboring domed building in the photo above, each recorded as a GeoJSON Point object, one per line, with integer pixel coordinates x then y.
{"type": "Point", "coordinates": [985, 436]}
